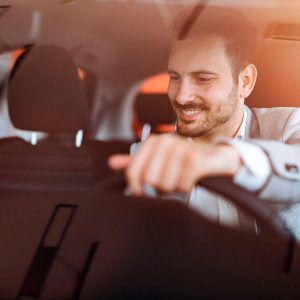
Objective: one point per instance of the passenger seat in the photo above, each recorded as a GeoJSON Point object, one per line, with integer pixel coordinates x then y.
{"type": "Point", "coordinates": [45, 94]}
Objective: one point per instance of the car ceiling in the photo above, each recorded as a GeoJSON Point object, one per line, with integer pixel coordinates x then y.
{"type": "Point", "coordinates": [120, 41]}
{"type": "Point", "coordinates": [108, 26]}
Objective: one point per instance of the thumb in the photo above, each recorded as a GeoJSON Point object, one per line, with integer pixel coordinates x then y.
{"type": "Point", "coordinates": [119, 162]}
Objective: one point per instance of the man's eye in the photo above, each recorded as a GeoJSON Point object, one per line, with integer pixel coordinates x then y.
{"type": "Point", "coordinates": [204, 79]}
{"type": "Point", "coordinates": [174, 78]}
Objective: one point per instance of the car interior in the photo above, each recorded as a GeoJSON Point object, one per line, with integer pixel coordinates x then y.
{"type": "Point", "coordinates": [70, 97]}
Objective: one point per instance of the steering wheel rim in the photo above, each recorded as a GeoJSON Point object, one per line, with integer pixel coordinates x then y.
{"type": "Point", "coordinates": [248, 202]}
{"type": "Point", "coordinates": [224, 186]}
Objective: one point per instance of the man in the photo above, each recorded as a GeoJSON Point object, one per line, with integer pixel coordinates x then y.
{"type": "Point", "coordinates": [211, 75]}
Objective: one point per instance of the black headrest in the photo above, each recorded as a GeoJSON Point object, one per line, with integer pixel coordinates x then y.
{"type": "Point", "coordinates": [45, 92]}
{"type": "Point", "coordinates": [154, 109]}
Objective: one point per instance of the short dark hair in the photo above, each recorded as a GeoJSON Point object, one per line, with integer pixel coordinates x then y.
{"type": "Point", "coordinates": [239, 35]}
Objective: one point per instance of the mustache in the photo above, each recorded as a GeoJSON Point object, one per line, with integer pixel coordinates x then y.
{"type": "Point", "coordinates": [191, 105]}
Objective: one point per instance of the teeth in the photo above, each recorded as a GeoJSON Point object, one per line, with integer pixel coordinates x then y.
{"type": "Point", "coordinates": [191, 112]}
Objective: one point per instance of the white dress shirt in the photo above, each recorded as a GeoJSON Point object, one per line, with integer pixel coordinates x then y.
{"type": "Point", "coordinates": [252, 176]}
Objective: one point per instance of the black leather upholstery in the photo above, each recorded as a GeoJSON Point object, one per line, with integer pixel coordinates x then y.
{"type": "Point", "coordinates": [45, 93]}
{"type": "Point", "coordinates": [154, 109]}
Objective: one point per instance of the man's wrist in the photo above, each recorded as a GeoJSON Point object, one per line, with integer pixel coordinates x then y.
{"type": "Point", "coordinates": [255, 167]}
{"type": "Point", "coordinates": [231, 161]}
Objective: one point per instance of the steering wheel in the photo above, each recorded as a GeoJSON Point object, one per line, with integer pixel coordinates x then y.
{"type": "Point", "coordinates": [218, 250]}
{"type": "Point", "coordinates": [265, 216]}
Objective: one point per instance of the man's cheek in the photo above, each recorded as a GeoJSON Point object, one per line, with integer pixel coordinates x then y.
{"type": "Point", "coordinates": [217, 96]}
{"type": "Point", "coordinates": [171, 92]}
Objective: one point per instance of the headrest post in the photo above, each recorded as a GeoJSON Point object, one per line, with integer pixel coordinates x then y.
{"type": "Point", "coordinates": [79, 138]}
{"type": "Point", "coordinates": [33, 139]}
{"type": "Point", "coordinates": [145, 132]}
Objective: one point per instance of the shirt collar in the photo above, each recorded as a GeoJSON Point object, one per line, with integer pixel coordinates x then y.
{"type": "Point", "coordinates": [240, 135]}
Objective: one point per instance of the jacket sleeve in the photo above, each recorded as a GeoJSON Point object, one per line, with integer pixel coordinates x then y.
{"type": "Point", "coordinates": [284, 157]}
{"type": "Point", "coordinates": [284, 180]}
{"type": "Point", "coordinates": [283, 184]}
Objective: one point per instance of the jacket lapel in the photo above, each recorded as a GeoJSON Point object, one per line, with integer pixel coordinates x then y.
{"type": "Point", "coordinates": [252, 125]}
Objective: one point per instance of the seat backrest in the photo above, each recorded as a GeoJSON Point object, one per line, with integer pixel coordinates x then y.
{"type": "Point", "coordinates": [155, 110]}
{"type": "Point", "coordinates": [45, 94]}
{"type": "Point", "coordinates": [104, 246]}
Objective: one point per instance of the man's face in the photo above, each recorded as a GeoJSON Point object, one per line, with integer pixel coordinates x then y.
{"type": "Point", "coordinates": [202, 90]}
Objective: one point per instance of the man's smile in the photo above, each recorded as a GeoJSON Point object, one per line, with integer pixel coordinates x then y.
{"type": "Point", "coordinates": [189, 114]}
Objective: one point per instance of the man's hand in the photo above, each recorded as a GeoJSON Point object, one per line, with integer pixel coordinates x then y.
{"type": "Point", "coordinates": [170, 163]}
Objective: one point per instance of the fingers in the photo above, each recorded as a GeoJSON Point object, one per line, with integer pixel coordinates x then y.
{"type": "Point", "coordinates": [170, 179]}
{"type": "Point", "coordinates": [171, 163]}
{"type": "Point", "coordinates": [160, 163]}
{"type": "Point", "coordinates": [119, 162]}
{"type": "Point", "coordinates": [193, 170]}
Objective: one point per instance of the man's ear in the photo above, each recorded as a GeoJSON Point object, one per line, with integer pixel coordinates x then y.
{"type": "Point", "coordinates": [247, 79]}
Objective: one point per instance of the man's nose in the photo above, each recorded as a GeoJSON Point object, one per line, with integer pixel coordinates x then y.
{"type": "Point", "coordinates": [185, 93]}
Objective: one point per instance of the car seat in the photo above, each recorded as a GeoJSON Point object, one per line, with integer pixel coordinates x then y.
{"type": "Point", "coordinates": [153, 111]}
{"type": "Point", "coordinates": [44, 94]}
{"type": "Point", "coordinates": [47, 98]}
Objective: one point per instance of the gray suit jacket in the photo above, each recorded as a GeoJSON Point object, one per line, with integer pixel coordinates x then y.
{"type": "Point", "coordinates": [277, 132]}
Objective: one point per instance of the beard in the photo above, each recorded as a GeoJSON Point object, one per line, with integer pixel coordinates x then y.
{"type": "Point", "coordinates": [211, 117]}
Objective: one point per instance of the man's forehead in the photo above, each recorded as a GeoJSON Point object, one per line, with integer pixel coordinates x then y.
{"type": "Point", "coordinates": [197, 52]}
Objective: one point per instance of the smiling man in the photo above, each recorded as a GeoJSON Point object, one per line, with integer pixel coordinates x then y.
{"type": "Point", "coordinates": [202, 89]}
{"type": "Point", "coordinates": [211, 75]}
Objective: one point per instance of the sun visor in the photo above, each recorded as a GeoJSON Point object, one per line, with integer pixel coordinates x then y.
{"type": "Point", "coordinates": [18, 27]}
{"type": "Point", "coordinates": [283, 31]}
